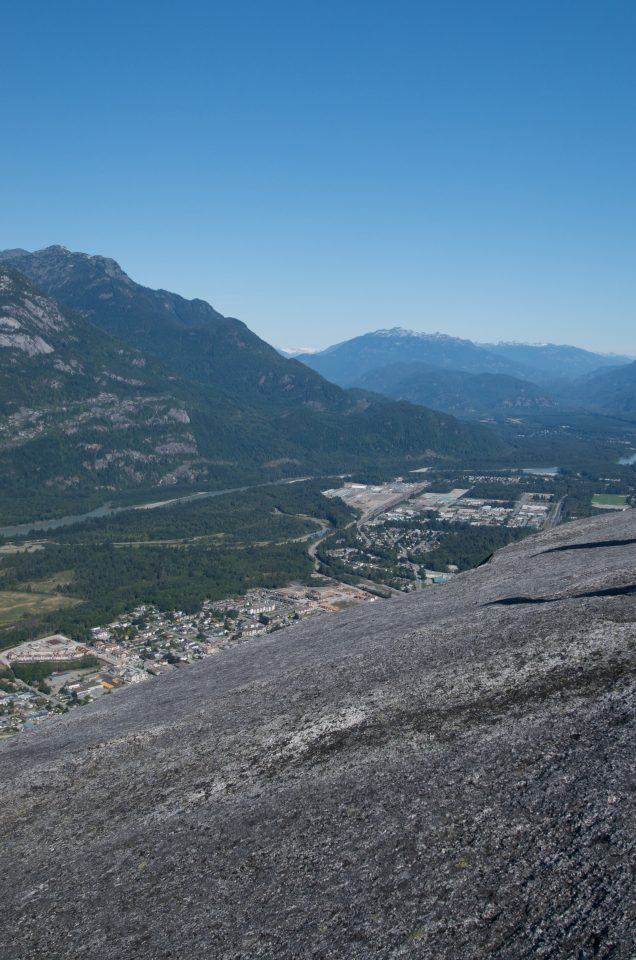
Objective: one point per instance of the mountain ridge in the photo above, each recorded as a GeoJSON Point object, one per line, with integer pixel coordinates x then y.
{"type": "Point", "coordinates": [253, 414]}
{"type": "Point", "coordinates": [346, 362]}
{"type": "Point", "coordinates": [79, 410]}
{"type": "Point", "coordinates": [613, 391]}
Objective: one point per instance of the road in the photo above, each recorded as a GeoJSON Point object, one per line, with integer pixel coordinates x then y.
{"type": "Point", "coordinates": [359, 523]}
{"type": "Point", "coordinates": [523, 499]}
{"type": "Point", "coordinates": [45, 696]}
{"type": "Point", "coordinates": [556, 516]}
{"type": "Point", "coordinates": [312, 549]}
{"type": "Point", "coordinates": [415, 567]}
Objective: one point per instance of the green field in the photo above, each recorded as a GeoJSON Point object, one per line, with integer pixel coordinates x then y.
{"type": "Point", "coordinates": [610, 499]}
{"type": "Point", "coordinates": [15, 604]}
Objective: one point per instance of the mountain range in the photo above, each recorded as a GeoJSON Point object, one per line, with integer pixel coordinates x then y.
{"type": "Point", "coordinates": [441, 371]}
{"type": "Point", "coordinates": [109, 386]}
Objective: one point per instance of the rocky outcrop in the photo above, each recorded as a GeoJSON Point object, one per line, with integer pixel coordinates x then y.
{"type": "Point", "coordinates": [60, 377]}
{"type": "Point", "coordinates": [446, 776]}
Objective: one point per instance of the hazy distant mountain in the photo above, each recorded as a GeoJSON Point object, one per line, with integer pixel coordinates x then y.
{"type": "Point", "coordinates": [344, 363]}
{"type": "Point", "coordinates": [612, 391]}
{"type": "Point", "coordinates": [551, 361]}
{"type": "Point", "coordinates": [548, 364]}
{"type": "Point", "coordinates": [253, 413]}
{"type": "Point", "coordinates": [454, 391]}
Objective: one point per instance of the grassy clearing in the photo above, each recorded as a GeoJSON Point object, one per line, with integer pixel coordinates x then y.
{"type": "Point", "coordinates": [26, 547]}
{"type": "Point", "coordinates": [610, 499]}
{"type": "Point", "coordinates": [212, 538]}
{"type": "Point", "coordinates": [33, 672]}
{"type": "Point", "coordinates": [48, 585]}
{"type": "Point", "coordinates": [35, 597]}
{"type": "Point", "coordinates": [14, 604]}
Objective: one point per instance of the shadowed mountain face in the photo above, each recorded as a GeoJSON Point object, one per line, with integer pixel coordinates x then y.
{"type": "Point", "coordinates": [189, 336]}
{"type": "Point", "coordinates": [444, 775]}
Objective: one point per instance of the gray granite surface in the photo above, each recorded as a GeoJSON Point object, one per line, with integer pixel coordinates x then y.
{"type": "Point", "coordinates": [447, 776]}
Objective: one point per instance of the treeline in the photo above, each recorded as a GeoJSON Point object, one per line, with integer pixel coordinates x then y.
{"type": "Point", "coordinates": [465, 546]}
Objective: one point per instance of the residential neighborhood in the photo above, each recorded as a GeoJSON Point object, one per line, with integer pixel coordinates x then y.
{"type": "Point", "coordinates": [49, 676]}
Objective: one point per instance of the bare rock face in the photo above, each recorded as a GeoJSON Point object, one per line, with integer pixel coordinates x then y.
{"type": "Point", "coordinates": [447, 776]}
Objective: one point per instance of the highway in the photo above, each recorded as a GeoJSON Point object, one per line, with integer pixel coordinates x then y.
{"type": "Point", "coordinates": [554, 519]}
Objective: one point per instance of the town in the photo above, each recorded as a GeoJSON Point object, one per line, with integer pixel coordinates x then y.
{"type": "Point", "coordinates": [43, 678]}
{"type": "Point", "coordinates": [400, 541]}
{"type": "Point", "coordinates": [407, 535]}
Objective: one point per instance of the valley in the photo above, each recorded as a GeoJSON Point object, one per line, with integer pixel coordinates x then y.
{"type": "Point", "coordinates": [166, 471]}
{"type": "Point", "coordinates": [159, 391]}
{"type": "Point", "coordinates": [318, 481]}
{"type": "Point", "coordinates": [149, 591]}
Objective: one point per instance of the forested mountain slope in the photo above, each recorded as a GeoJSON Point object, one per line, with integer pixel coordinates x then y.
{"type": "Point", "coordinates": [612, 391]}
{"type": "Point", "coordinates": [188, 336]}
{"type": "Point", "coordinates": [449, 775]}
{"type": "Point", "coordinates": [79, 411]}
{"type": "Point", "coordinates": [246, 412]}
{"type": "Point", "coordinates": [454, 391]}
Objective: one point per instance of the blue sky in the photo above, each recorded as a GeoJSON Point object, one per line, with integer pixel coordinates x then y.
{"type": "Point", "coordinates": [320, 169]}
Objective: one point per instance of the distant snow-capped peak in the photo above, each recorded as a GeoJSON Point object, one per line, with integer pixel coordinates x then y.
{"type": "Point", "coordinates": [396, 332]}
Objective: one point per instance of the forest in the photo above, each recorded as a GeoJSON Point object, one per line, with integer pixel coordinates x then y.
{"type": "Point", "coordinates": [466, 546]}
{"type": "Point", "coordinates": [174, 557]}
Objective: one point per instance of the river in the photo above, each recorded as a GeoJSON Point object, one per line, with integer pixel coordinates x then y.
{"type": "Point", "coordinates": [107, 510]}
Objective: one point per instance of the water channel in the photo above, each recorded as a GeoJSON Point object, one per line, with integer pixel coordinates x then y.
{"type": "Point", "coordinates": [107, 510]}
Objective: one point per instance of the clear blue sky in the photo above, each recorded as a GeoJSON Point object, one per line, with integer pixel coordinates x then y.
{"type": "Point", "coordinates": [324, 168]}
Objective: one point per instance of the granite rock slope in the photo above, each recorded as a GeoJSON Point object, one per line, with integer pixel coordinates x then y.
{"type": "Point", "coordinates": [447, 776]}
